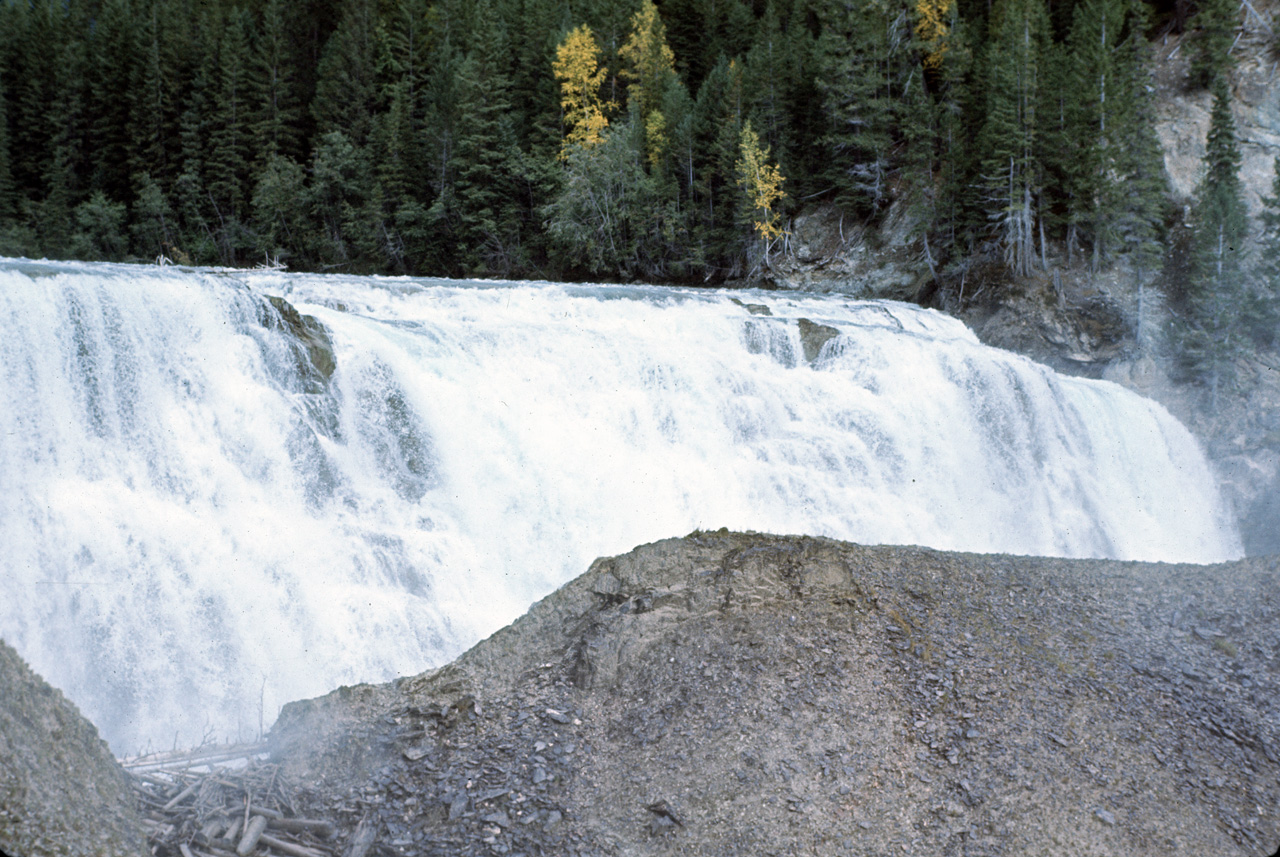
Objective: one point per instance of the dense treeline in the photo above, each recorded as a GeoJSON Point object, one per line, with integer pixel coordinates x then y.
{"type": "Point", "coordinates": [437, 137]}
{"type": "Point", "coordinates": [585, 138]}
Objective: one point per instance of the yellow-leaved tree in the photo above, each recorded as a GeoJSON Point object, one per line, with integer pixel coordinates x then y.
{"type": "Point", "coordinates": [932, 29]}
{"type": "Point", "coordinates": [650, 67]}
{"type": "Point", "coordinates": [762, 183]}
{"type": "Point", "coordinates": [577, 67]}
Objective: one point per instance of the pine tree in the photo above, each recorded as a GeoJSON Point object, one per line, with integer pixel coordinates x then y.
{"type": "Point", "coordinates": [1209, 328]}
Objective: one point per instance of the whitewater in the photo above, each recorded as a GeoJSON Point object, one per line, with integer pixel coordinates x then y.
{"type": "Point", "coordinates": [192, 533]}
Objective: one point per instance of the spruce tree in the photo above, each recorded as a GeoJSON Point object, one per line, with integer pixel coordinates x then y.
{"type": "Point", "coordinates": [8, 192]}
{"type": "Point", "coordinates": [346, 85]}
{"type": "Point", "coordinates": [230, 140]}
{"type": "Point", "coordinates": [1209, 331]}
{"type": "Point", "coordinates": [113, 60]}
{"type": "Point", "coordinates": [1091, 120]}
{"type": "Point", "coordinates": [864, 63]}
{"type": "Point", "coordinates": [1211, 57]}
{"type": "Point", "coordinates": [486, 161]}
{"type": "Point", "coordinates": [1011, 167]}
{"type": "Point", "coordinates": [272, 90]}
{"type": "Point", "coordinates": [1137, 196]}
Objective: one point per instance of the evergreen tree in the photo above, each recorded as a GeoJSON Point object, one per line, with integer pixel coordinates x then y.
{"type": "Point", "coordinates": [1136, 200]}
{"type": "Point", "coordinates": [865, 62]}
{"type": "Point", "coordinates": [152, 220]}
{"type": "Point", "coordinates": [717, 130]}
{"type": "Point", "coordinates": [340, 181]}
{"type": "Point", "coordinates": [1011, 167]}
{"type": "Point", "coordinates": [280, 211]}
{"type": "Point", "coordinates": [275, 109]}
{"type": "Point", "coordinates": [230, 153]}
{"type": "Point", "coordinates": [113, 61]}
{"type": "Point", "coordinates": [100, 229]}
{"type": "Point", "coordinates": [153, 97]}
{"type": "Point", "coordinates": [1209, 327]}
{"type": "Point", "coordinates": [346, 85]}
{"type": "Point", "coordinates": [1092, 122]}
{"type": "Point", "coordinates": [1262, 304]}
{"type": "Point", "coordinates": [8, 191]}
{"type": "Point", "coordinates": [486, 160]}
{"type": "Point", "coordinates": [1217, 21]}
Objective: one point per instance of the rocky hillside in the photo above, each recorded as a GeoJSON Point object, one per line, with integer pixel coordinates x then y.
{"type": "Point", "coordinates": [61, 792]}
{"type": "Point", "coordinates": [744, 694]}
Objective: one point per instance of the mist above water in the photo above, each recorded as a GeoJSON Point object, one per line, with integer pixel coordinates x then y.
{"type": "Point", "coordinates": [193, 533]}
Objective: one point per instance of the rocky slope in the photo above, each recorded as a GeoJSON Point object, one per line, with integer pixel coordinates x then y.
{"type": "Point", "coordinates": [744, 694]}
{"type": "Point", "coordinates": [61, 792]}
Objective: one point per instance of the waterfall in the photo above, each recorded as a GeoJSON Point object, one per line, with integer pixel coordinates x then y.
{"type": "Point", "coordinates": [198, 525]}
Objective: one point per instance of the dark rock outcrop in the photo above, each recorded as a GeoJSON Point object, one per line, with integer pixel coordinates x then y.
{"type": "Point", "coordinates": [744, 694]}
{"type": "Point", "coordinates": [61, 791]}
{"type": "Point", "coordinates": [813, 336]}
{"type": "Point", "coordinates": [314, 350]}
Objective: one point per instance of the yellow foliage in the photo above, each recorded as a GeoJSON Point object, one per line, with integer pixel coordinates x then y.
{"type": "Point", "coordinates": [932, 29]}
{"type": "Point", "coordinates": [577, 67]}
{"type": "Point", "coordinates": [649, 58]}
{"type": "Point", "coordinates": [762, 182]}
{"type": "Point", "coordinates": [655, 136]}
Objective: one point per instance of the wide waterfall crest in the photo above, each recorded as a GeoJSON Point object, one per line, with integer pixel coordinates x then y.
{"type": "Point", "coordinates": [194, 532]}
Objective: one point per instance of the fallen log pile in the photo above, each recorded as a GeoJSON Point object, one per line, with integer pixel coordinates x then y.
{"type": "Point", "coordinates": [225, 802]}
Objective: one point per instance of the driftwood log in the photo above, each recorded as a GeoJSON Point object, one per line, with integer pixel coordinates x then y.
{"type": "Point", "coordinates": [223, 802]}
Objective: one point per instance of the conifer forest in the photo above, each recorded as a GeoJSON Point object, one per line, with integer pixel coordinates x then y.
{"type": "Point", "coordinates": [616, 140]}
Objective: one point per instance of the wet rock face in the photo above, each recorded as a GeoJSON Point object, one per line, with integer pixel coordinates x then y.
{"type": "Point", "coordinates": [61, 791]}
{"type": "Point", "coordinates": [742, 694]}
{"type": "Point", "coordinates": [315, 358]}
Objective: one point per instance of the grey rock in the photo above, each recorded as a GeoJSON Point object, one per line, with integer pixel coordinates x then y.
{"type": "Point", "coordinates": [62, 793]}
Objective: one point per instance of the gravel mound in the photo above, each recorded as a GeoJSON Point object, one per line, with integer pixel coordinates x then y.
{"type": "Point", "coordinates": [732, 694]}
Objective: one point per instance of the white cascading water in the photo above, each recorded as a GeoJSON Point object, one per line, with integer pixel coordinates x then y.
{"type": "Point", "coordinates": [189, 538]}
